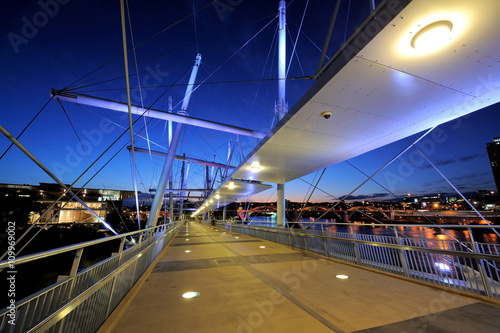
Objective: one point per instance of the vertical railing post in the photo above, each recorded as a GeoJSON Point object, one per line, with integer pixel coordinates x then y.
{"type": "Point", "coordinates": [355, 246]}
{"type": "Point", "coordinates": [72, 276]}
{"type": "Point", "coordinates": [401, 253]}
{"type": "Point", "coordinates": [324, 241]}
{"type": "Point", "coordinates": [139, 243]}
{"type": "Point", "coordinates": [120, 251]}
{"type": "Point", "coordinates": [480, 264]}
{"type": "Point", "coordinates": [74, 269]}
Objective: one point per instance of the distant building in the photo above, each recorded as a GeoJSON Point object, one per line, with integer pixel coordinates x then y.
{"type": "Point", "coordinates": [66, 212]}
{"type": "Point", "coordinates": [494, 155]}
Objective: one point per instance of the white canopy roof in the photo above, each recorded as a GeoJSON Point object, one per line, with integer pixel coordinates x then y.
{"type": "Point", "coordinates": [381, 89]}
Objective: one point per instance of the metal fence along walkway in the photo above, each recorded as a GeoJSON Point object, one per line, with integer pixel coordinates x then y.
{"type": "Point", "coordinates": [82, 301]}
{"type": "Point", "coordinates": [466, 266]}
{"type": "Point", "coordinates": [245, 284]}
{"type": "Point", "coordinates": [248, 284]}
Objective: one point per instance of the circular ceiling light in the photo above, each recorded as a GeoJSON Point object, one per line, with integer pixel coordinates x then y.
{"type": "Point", "coordinates": [432, 36]}
{"type": "Point", "coordinates": [255, 167]}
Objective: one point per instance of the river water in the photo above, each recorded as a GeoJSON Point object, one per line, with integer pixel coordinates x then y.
{"type": "Point", "coordinates": [480, 235]}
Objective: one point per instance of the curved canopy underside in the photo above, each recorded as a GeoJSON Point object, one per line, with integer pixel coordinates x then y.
{"type": "Point", "coordinates": [381, 89]}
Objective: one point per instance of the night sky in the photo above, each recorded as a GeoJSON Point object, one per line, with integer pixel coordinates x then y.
{"type": "Point", "coordinates": [78, 44]}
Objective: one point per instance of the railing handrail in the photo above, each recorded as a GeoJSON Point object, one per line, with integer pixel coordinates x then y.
{"type": "Point", "coordinates": [373, 224]}
{"type": "Point", "coordinates": [394, 246]}
{"type": "Point", "coordinates": [441, 263]}
{"type": "Point", "coordinates": [60, 303]}
{"type": "Point", "coordinates": [64, 249]}
{"type": "Point", "coordinates": [73, 303]}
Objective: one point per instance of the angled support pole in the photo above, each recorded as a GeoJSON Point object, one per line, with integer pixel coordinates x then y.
{"type": "Point", "coordinates": [167, 167]}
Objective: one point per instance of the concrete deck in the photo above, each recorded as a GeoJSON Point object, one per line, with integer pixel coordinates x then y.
{"type": "Point", "coordinates": [246, 288]}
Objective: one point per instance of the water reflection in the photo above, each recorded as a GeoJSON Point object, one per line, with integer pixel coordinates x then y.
{"type": "Point", "coordinates": [431, 234]}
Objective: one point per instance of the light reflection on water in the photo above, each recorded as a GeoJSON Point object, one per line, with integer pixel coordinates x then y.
{"type": "Point", "coordinates": [439, 236]}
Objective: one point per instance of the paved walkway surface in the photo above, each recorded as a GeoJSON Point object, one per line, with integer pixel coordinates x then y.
{"type": "Point", "coordinates": [249, 285]}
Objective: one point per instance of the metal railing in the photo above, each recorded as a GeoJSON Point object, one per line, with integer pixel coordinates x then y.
{"type": "Point", "coordinates": [463, 265]}
{"type": "Point", "coordinates": [82, 301]}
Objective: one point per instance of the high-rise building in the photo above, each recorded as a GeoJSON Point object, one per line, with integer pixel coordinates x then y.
{"type": "Point", "coordinates": [494, 155]}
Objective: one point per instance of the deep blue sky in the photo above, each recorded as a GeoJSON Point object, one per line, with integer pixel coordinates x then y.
{"type": "Point", "coordinates": [77, 37]}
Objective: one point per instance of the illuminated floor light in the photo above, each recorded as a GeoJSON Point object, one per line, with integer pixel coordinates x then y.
{"type": "Point", "coordinates": [341, 276]}
{"type": "Point", "coordinates": [262, 247]}
{"type": "Point", "coordinates": [188, 251]}
{"type": "Point", "coordinates": [442, 266]}
{"type": "Point", "coordinates": [236, 237]}
{"type": "Point", "coordinates": [191, 294]}
{"type": "Point", "coordinates": [187, 239]}
{"type": "Point", "coordinates": [432, 36]}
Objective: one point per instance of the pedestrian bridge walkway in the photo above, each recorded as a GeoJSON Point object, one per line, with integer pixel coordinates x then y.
{"type": "Point", "coordinates": [250, 285]}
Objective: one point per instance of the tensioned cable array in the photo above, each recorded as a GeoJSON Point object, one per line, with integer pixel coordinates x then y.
{"type": "Point", "coordinates": [73, 87]}
{"type": "Point", "coordinates": [230, 57]}
{"type": "Point", "coordinates": [306, 77]}
{"type": "Point", "coordinates": [143, 42]}
{"type": "Point", "coordinates": [26, 127]}
{"type": "Point", "coordinates": [297, 39]}
{"type": "Point", "coordinates": [88, 157]}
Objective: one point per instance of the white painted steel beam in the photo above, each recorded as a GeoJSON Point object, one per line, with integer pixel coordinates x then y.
{"type": "Point", "coordinates": [183, 158]}
{"type": "Point", "coordinates": [153, 113]}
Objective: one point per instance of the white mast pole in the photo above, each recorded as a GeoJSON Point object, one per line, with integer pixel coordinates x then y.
{"type": "Point", "coordinates": [171, 182]}
{"type": "Point", "coordinates": [281, 105]}
{"type": "Point", "coordinates": [167, 167]}
{"type": "Point", "coordinates": [170, 121]}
